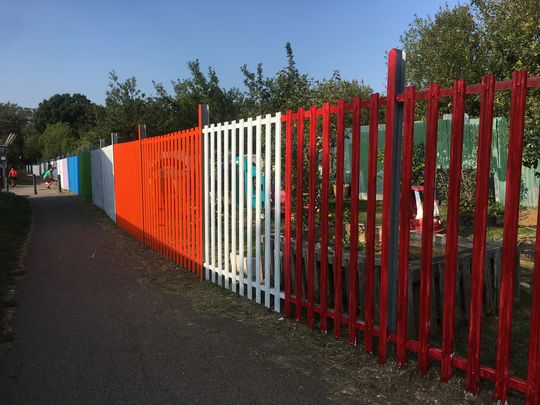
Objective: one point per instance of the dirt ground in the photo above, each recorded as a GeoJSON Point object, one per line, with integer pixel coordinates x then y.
{"type": "Point", "coordinates": [248, 343]}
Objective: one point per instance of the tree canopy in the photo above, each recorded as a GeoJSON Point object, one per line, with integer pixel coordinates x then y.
{"type": "Point", "coordinates": [74, 109]}
{"type": "Point", "coordinates": [17, 120]}
{"type": "Point", "coordinates": [477, 38]}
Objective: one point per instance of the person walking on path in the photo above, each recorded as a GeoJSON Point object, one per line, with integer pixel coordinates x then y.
{"type": "Point", "coordinates": [13, 176]}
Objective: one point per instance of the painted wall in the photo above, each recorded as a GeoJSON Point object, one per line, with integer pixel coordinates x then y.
{"type": "Point", "coordinates": [102, 168]}
{"type": "Point", "coordinates": [85, 176]}
{"type": "Point", "coordinates": [73, 174]}
{"type": "Point", "coordinates": [64, 173]}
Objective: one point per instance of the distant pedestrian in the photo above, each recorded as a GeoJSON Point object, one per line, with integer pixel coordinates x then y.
{"type": "Point", "coordinates": [13, 176]}
{"type": "Point", "coordinates": [49, 177]}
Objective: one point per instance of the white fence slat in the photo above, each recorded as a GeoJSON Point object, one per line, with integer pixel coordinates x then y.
{"type": "Point", "coordinates": [233, 197]}
{"type": "Point", "coordinates": [249, 207]}
{"type": "Point", "coordinates": [226, 198]}
{"type": "Point", "coordinates": [206, 169]}
{"type": "Point", "coordinates": [258, 163]}
{"type": "Point", "coordinates": [241, 193]}
{"type": "Point", "coordinates": [212, 201]}
{"type": "Point", "coordinates": [277, 214]}
{"type": "Point", "coordinates": [267, 211]}
{"type": "Point", "coordinates": [219, 132]}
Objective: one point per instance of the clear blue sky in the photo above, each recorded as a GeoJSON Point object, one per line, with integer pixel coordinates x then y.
{"type": "Point", "coordinates": [49, 47]}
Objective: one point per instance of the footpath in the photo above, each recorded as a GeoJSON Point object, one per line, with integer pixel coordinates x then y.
{"type": "Point", "coordinates": [101, 319]}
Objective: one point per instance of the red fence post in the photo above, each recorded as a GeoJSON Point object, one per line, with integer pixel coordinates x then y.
{"type": "Point", "coordinates": [390, 216]}
{"type": "Point", "coordinates": [324, 212]}
{"type": "Point", "coordinates": [511, 216]}
{"type": "Point", "coordinates": [299, 206]}
{"type": "Point", "coordinates": [353, 251]}
{"type": "Point", "coordinates": [340, 134]}
{"type": "Point", "coordinates": [288, 198]}
{"type": "Point", "coordinates": [427, 225]}
{"type": "Point", "coordinates": [405, 218]}
{"type": "Point", "coordinates": [452, 228]}
{"type": "Point", "coordinates": [371, 210]}
{"type": "Point", "coordinates": [311, 214]}
{"type": "Point", "coordinates": [479, 243]}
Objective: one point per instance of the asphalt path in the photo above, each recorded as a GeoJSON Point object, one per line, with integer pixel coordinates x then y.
{"type": "Point", "coordinates": [90, 330]}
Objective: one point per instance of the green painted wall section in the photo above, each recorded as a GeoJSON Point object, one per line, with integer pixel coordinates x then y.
{"type": "Point", "coordinates": [85, 176]}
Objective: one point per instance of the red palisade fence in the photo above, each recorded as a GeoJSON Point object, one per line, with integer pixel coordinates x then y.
{"type": "Point", "coordinates": [338, 278]}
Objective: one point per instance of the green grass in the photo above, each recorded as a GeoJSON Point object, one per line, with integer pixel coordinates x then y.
{"type": "Point", "coordinates": [16, 218]}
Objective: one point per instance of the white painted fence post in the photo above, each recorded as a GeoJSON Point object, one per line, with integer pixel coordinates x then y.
{"type": "Point", "coordinates": [234, 224]}
{"type": "Point", "coordinates": [219, 133]}
{"type": "Point", "coordinates": [258, 163]}
{"type": "Point", "coordinates": [213, 202]}
{"type": "Point", "coordinates": [241, 192]}
{"type": "Point", "coordinates": [226, 198]}
{"type": "Point", "coordinates": [267, 211]}
{"type": "Point", "coordinates": [249, 207]}
{"type": "Point", "coordinates": [206, 171]}
{"type": "Point", "coordinates": [277, 215]}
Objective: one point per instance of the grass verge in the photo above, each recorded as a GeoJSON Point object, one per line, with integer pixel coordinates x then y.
{"type": "Point", "coordinates": [15, 221]}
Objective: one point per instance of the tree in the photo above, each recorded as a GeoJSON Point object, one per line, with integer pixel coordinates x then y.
{"type": "Point", "coordinates": [511, 35]}
{"type": "Point", "coordinates": [477, 38]}
{"type": "Point", "coordinates": [288, 89]}
{"type": "Point", "coordinates": [124, 108]}
{"type": "Point", "coordinates": [17, 120]}
{"type": "Point", "coordinates": [179, 110]}
{"type": "Point", "coordinates": [57, 139]}
{"type": "Point", "coordinates": [512, 38]}
{"type": "Point", "coordinates": [443, 48]}
{"type": "Point", "coordinates": [76, 110]}
{"type": "Point", "coordinates": [32, 148]}
{"type": "Point", "coordinates": [333, 89]}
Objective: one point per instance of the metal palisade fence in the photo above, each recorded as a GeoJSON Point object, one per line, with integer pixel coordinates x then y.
{"type": "Point", "coordinates": [242, 207]}
{"type": "Point", "coordinates": [158, 197]}
{"type": "Point", "coordinates": [266, 216]}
